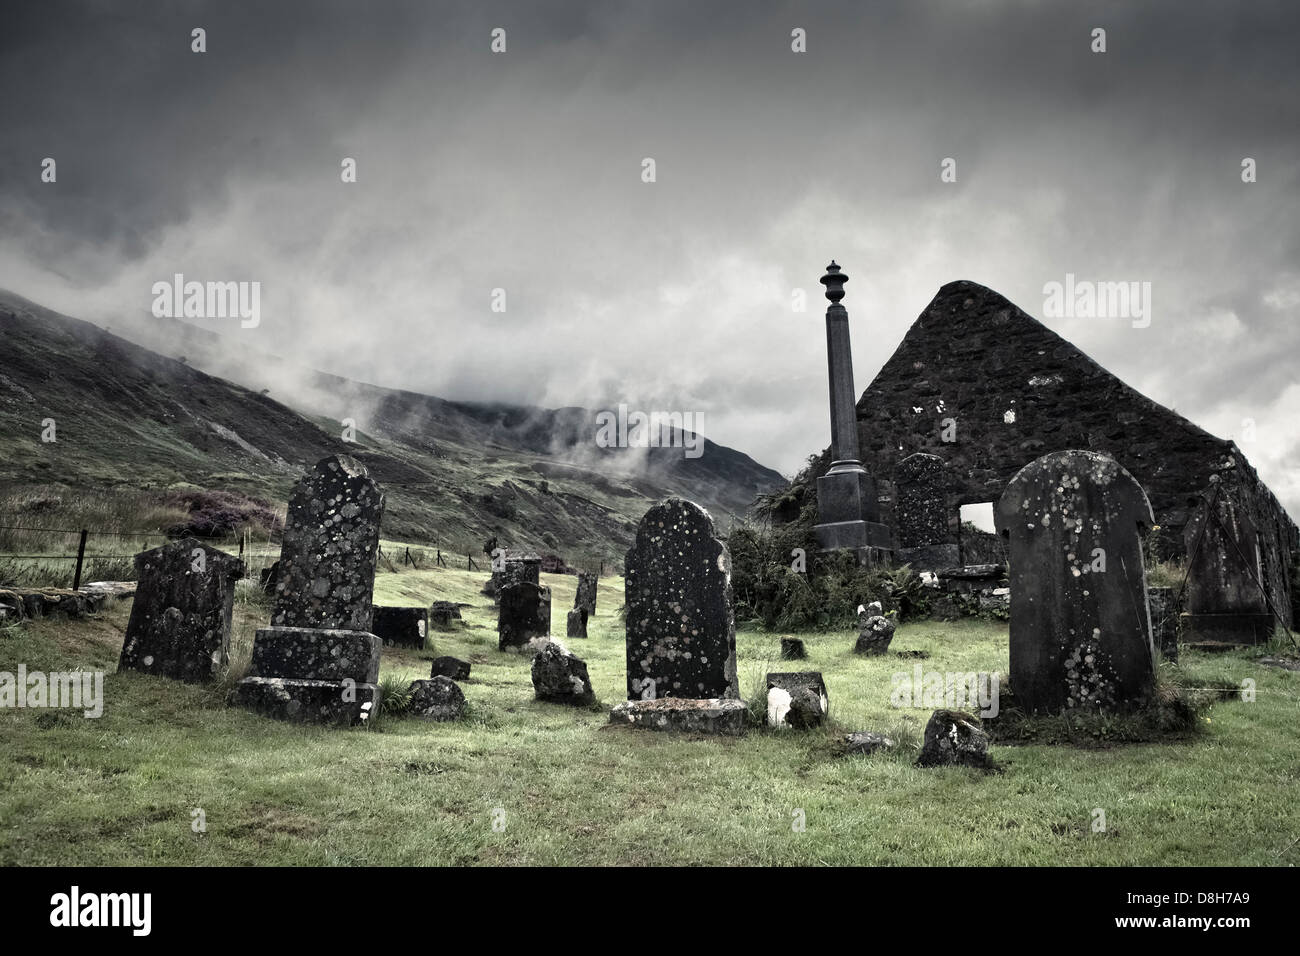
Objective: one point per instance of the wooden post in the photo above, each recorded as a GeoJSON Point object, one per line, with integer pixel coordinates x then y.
{"type": "Point", "coordinates": [81, 556]}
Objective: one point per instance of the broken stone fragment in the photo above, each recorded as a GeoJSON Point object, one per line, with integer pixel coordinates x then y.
{"type": "Point", "coordinates": [561, 677]}
{"type": "Point", "coordinates": [438, 698]}
{"type": "Point", "coordinates": [867, 742]}
{"type": "Point", "coordinates": [452, 667]}
{"type": "Point", "coordinates": [954, 738]}
{"type": "Point", "coordinates": [792, 649]}
{"type": "Point", "coordinates": [797, 700]}
{"type": "Point", "coordinates": [875, 631]}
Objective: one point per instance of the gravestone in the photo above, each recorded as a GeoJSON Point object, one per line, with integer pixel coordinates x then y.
{"type": "Point", "coordinates": [525, 614]}
{"type": "Point", "coordinates": [1225, 600]}
{"type": "Point", "coordinates": [925, 540]}
{"type": "Point", "coordinates": [331, 539]}
{"type": "Point", "coordinates": [318, 662]}
{"type": "Point", "coordinates": [1080, 628]}
{"type": "Point", "coordinates": [402, 626]}
{"type": "Point", "coordinates": [586, 594]}
{"type": "Point", "coordinates": [577, 622]}
{"type": "Point", "coordinates": [875, 631]}
{"type": "Point", "coordinates": [443, 613]}
{"type": "Point", "coordinates": [792, 649]}
{"type": "Point", "coordinates": [180, 620]}
{"type": "Point", "coordinates": [681, 632]}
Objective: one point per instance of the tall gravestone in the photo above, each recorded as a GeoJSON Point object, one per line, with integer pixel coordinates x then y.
{"type": "Point", "coordinates": [318, 662]}
{"type": "Point", "coordinates": [925, 540]}
{"type": "Point", "coordinates": [1226, 603]}
{"type": "Point", "coordinates": [681, 631]}
{"type": "Point", "coordinates": [1080, 627]}
{"type": "Point", "coordinates": [180, 619]}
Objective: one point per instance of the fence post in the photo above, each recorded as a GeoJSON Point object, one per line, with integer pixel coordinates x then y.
{"type": "Point", "coordinates": [81, 556]}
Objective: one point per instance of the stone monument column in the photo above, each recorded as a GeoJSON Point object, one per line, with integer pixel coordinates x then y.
{"type": "Point", "coordinates": [847, 511]}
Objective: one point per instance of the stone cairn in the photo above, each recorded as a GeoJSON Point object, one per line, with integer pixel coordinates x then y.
{"type": "Point", "coordinates": [318, 661]}
{"type": "Point", "coordinates": [681, 632]}
{"type": "Point", "coordinates": [584, 605]}
{"type": "Point", "coordinates": [180, 621]}
{"type": "Point", "coordinates": [1080, 627]}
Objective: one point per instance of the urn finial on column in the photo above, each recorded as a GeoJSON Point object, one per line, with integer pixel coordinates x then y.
{"type": "Point", "coordinates": [834, 280]}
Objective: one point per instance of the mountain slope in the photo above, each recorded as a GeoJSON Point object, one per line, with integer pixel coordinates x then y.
{"type": "Point", "coordinates": [454, 473]}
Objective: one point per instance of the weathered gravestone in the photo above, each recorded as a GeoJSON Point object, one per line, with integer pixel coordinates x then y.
{"type": "Point", "coordinates": [1226, 603]}
{"type": "Point", "coordinates": [443, 613]}
{"type": "Point", "coordinates": [921, 514]}
{"type": "Point", "coordinates": [180, 621]}
{"type": "Point", "coordinates": [577, 622]}
{"type": "Point", "coordinates": [525, 614]}
{"type": "Point", "coordinates": [586, 593]}
{"type": "Point", "coordinates": [1080, 629]}
{"type": "Point", "coordinates": [402, 626]}
{"type": "Point", "coordinates": [511, 568]}
{"type": "Point", "coordinates": [681, 631]}
{"type": "Point", "coordinates": [331, 539]}
{"type": "Point", "coordinates": [875, 631]}
{"type": "Point", "coordinates": [318, 662]}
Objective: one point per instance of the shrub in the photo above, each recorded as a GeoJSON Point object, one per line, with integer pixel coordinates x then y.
{"type": "Point", "coordinates": [217, 514]}
{"type": "Point", "coordinates": [768, 586]}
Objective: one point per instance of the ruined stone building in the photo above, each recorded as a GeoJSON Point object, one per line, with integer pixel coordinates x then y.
{"type": "Point", "coordinates": [986, 389]}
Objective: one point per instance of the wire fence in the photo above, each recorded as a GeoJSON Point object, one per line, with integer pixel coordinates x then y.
{"type": "Point", "coordinates": [250, 547]}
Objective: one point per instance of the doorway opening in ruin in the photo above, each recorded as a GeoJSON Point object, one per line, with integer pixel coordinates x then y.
{"type": "Point", "coordinates": [977, 540]}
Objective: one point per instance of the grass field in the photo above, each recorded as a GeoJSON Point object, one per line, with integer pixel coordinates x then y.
{"type": "Point", "coordinates": [564, 787]}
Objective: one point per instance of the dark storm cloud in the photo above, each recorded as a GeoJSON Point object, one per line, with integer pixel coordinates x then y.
{"type": "Point", "coordinates": [522, 171]}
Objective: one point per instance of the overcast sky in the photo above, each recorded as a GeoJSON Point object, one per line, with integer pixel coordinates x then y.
{"type": "Point", "coordinates": [523, 170]}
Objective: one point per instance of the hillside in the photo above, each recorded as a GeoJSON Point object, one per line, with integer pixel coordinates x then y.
{"type": "Point", "coordinates": [127, 417]}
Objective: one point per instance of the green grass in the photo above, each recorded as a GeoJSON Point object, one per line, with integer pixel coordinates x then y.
{"type": "Point", "coordinates": [574, 790]}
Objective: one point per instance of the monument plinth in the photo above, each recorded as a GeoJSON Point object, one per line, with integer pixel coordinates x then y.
{"type": "Point", "coordinates": [848, 513]}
